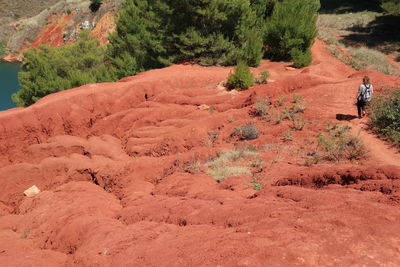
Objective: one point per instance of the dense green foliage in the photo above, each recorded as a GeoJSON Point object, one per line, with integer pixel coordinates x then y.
{"type": "Point", "coordinates": [385, 115]}
{"type": "Point", "coordinates": [152, 34]}
{"type": "Point", "coordinates": [242, 78]}
{"type": "Point", "coordinates": [48, 70]}
{"type": "Point", "coordinates": [391, 6]}
{"type": "Point", "coordinates": [291, 30]}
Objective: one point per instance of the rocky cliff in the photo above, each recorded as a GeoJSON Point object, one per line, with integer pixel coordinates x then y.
{"type": "Point", "coordinates": [27, 24]}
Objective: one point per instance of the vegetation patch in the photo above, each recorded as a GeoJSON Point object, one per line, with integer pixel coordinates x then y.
{"type": "Point", "coordinates": [335, 145]}
{"type": "Point", "coordinates": [246, 132]}
{"type": "Point", "coordinates": [232, 163]}
{"type": "Point", "coordinates": [385, 115]}
{"type": "Point", "coordinates": [48, 70]}
{"type": "Point", "coordinates": [242, 78]}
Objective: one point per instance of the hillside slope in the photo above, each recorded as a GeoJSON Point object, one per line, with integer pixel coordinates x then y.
{"type": "Point", "coordinates": [51, 22]}
{"type": "Point", "coordinates": [122, 168]}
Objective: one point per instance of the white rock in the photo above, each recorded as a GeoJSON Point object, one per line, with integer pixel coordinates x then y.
{"type": "Point", "coordinates": [32, 191]}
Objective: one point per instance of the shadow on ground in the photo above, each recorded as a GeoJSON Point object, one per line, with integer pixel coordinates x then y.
{"type": "Point", "coordinates": [345, 117]}
{"type": "Point", "coordinates": [382, 34]}
{"type": "Point", "coordinates": [345, 6]}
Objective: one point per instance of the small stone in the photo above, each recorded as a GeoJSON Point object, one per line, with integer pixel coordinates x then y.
{"type": "Point", "coordinates": [32, 191]}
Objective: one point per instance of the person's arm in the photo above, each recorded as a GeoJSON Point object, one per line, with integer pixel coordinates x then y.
{"type": "Point", "coordinates": [359, 92]}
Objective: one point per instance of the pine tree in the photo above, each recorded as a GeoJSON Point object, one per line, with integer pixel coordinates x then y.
{"type": "Point", "coordinates": [291, 29]}
{"type": "Point", "coordinates": [48, 70]}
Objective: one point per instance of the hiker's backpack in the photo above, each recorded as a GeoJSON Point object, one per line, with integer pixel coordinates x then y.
{"type": "Point", "coordinates": [367, 94]}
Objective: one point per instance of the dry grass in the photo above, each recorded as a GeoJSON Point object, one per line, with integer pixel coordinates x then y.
{"type": "Point", "coordinates": [372, 59]}
{"type": "Point", "coordinates": [233, 163]}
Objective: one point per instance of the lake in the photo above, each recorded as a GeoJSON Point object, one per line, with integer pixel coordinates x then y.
{"type": "Point", "coordinates": [8, 83]}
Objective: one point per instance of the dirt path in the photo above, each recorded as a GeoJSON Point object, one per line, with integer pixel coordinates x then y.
{"type": "Point", "coordinates": [343, 95]}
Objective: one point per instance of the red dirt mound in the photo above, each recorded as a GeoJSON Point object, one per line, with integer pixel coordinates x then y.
{"type": "Point", "coordinates": [122, 168]}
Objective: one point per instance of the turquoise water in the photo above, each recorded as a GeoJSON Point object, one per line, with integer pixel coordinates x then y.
{"type": "Point", "coordinates": [8, 83]}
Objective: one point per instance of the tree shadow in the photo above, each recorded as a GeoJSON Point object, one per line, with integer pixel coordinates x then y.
{"type": "Point", "coordinates": [382, 34]}
{"type": "Point", "coordinates": [345, 117]}
{"type": "Point", "coordinates": [346, 6]}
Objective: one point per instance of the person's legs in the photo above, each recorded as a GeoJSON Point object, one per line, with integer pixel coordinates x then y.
{"type": "Point", "coordinates": [363, 108]}
{"type": "Point", "coordinates": [359, 108]}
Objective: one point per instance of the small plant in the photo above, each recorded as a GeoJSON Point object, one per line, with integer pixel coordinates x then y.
{"type": "Point", "coordinates": [286, 114]}
{"type": "Point", "coordinates": [252, 148]}
{"type": "Point", "coordinates": [242, 79]}
{"type": "Point", "coordinates": [262, 107]}
{"type": "Point", "coordinates": [212, 137]}
{"type": "Point", "coordinates": [297, 98]}
{"type": "Point", "coordinates": [263, 77]}
{"type": "Point", "coordinates": [69, 11]}
{"type": "Point", "coordinates": [211, 109]}
{"type": "Point", "coordinates": [287, 136]}
{"type": "Point", "coordinates": [259, 164]}
{"type": "Point", "coordinates": [246, 132]}
{"type": "Point", "coordinates": [298, 108]}
{"type": "Point", "coordinates": [281, 100]}
{"type": "Point", "coordinates": [25, 234]}
{"type": "Point", "coordinates": [298, 123]}
{"type": "Point", "coordinates": [257, 186]}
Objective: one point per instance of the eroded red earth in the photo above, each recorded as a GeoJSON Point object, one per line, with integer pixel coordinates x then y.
{"type": "Point", "coordinates": [113, 163]}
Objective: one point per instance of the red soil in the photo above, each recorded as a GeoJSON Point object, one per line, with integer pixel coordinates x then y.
{"type": "Point", "coordinates": [112, 161]}
{"type": "Point", "coordinates": [53, 33]}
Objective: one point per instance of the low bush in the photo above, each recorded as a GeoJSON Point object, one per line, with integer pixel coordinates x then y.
{"type": "Point", "coordinates": [242, 78]}
{"type": "Point", "coordinates": [246, 132]}
{"type": "Point", "coordinates": [298, 123]}
{"type": "Point", "coordinates": [301, 58]}
{"type": "Point", "coordinates": [263, 77]}
{"type": "Point", "coordinates": [262, 107]}
{"type": "Point", "coordinates": [230, 163]}
{"type": "Point", "coordinates": [385, 115]}
{"type": "Point", "coordinates": [340, 144]}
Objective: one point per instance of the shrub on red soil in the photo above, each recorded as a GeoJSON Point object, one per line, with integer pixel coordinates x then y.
{"type": "Point", "coordinates": [385, 115]}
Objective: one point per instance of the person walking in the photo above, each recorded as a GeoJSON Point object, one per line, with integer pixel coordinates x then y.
{"type": "Point", "coordinates": [364, 95]}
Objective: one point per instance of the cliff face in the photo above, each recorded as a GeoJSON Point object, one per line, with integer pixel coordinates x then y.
{"type": "Point", "coordinates": [122, 169]}
{"type": "Point", "coordinates": [27, 24]}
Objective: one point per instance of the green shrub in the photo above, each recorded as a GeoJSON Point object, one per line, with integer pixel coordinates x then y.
{"type": "Point", "coordinates": [262, 107]}
{"type": "Point", "coordinates": [242, 78]}
{"type": "Point", "coordinates": [263, 77]}
{"type": "Point", "coordinates": [69, 11]}
{"type": "Point", "coordinates": [48, 70]}
{"type": "Point", "coordinates": [291, 30]}
{"type": "Point", "coordinates": [152, 34]}
{"type": "Point", "coordinates": [340, 144]}
{"type": "Point", "coordinates": [246, 132]}
{"type": "Point", "coordinates": [385, 115]}
{"type": "Point", "coordinates": [300, 58]}
{"type": "Point", "coordinates": [298, 123]}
